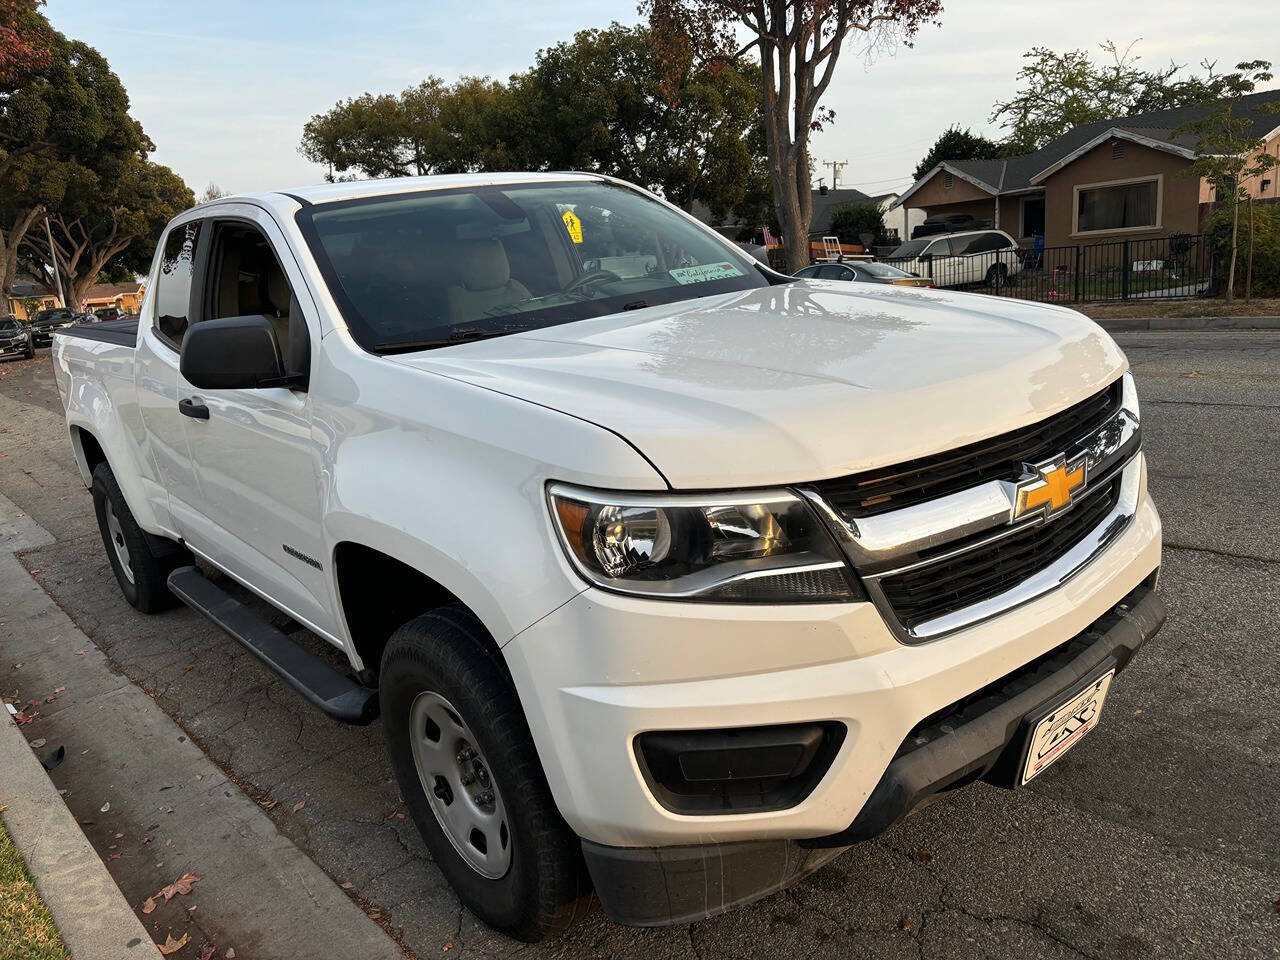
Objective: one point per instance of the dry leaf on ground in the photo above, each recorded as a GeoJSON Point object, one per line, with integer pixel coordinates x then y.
{"type": "Point", "coordinates": [206, 952]}
{"type": "Point", "coordinates": [149, 905]}
{"type": "Point", "coordinates": [299, 805]}
{"type": "Point", "coordinates": [171, 945]}
{"type": "Point", "coordinates": [180, 886]}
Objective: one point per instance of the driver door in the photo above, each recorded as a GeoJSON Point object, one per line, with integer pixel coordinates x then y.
{"type": "Point", "coordinates": [254, 454]}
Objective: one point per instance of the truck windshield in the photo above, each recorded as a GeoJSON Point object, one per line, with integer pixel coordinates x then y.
{"type": "Point", "coordinates": [427, 269]}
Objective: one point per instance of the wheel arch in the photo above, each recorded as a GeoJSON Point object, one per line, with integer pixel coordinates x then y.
{"type": "Point", "coordinates": [378, 593]}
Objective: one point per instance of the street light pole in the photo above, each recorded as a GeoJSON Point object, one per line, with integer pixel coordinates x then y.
{"type": "Point", "coordinates": [53, 255]}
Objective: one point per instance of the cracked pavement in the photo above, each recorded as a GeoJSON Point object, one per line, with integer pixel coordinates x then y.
{"type": "Point", "coordinates": [1160, 837]}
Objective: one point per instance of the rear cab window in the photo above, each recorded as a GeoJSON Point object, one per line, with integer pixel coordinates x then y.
{"type": "Point", "coordinates": [431, 268]}
{"type": "Point", "coordinates": [173, 283]}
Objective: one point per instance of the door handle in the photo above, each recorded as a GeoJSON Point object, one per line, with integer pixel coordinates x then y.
{"type": "Point", "coordinates": [192, 407]}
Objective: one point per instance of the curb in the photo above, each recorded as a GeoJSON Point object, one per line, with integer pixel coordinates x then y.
{"type": "Point", "coordinates": [1133, 324]}
{"type": "Point", "coordinates": [88, 908]}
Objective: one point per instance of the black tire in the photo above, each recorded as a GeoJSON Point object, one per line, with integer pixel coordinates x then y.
{"type": "Point", "coordinates": [31, 349]}
{"type": "Point", "coordinates": [144, 583]}
{"type": "Point", "coordinates": [997, 275]}
{"type": "Point", "coordinates": [544, 889]}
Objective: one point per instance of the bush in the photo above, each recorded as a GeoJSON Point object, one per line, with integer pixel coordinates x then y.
{"type": "Point", "coordinates": [850, 220]}
{"type": "Point", "coordinates": [1266, 251]}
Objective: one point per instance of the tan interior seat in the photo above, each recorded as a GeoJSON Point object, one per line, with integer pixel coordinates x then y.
{"type": "Point", "coordinates": [482, 282]}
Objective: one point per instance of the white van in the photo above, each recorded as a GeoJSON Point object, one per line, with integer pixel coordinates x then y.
{"type": "Point", "coordinates": [959, 259]}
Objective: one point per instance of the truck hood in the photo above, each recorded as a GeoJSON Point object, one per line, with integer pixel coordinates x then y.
{"type": "Point", "coordinates": [801, 381]}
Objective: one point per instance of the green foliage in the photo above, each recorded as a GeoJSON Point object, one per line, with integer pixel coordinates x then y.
{"type": "Point", "coordinates": [1266, 245]}
{"type": "Point", "coordinates": [957, 144]}
{"type": "Point", "coordinates": [598, 102]}
{"type": "Point", "coordinates": [850, 220]}
{"type": "Point", "coordinates": [1058, 91]}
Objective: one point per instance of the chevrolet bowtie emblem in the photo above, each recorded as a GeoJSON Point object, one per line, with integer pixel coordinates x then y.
{"type": "Point", "coordinates": [1050, 488]}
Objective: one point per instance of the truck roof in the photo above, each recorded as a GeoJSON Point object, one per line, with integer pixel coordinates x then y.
{"type": "Point", "coordinates": [350, 189]}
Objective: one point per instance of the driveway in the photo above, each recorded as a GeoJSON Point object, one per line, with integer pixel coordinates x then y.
{"type": "Point", "coordinates": [1160, 837]}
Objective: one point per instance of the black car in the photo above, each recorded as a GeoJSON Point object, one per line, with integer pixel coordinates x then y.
{"type": "Point", "coordinates": [15, 339]}
{"type": "Point", "coordinates": [863, 271]}
{"type": "Point", "coordinates": [47, 321]}
{"type": "Point", "coordinates": [109, 313]}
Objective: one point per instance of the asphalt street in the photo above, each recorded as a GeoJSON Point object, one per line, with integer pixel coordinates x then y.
{"type": "Point", "coordinates": [1158, 837]}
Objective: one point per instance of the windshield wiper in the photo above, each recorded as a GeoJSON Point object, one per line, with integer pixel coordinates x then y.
{"type": "Point", "coordinates": [457, 336]}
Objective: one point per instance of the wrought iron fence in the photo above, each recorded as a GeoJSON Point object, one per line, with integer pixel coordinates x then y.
{"type": "Point", "coordinates": [1165, 267]}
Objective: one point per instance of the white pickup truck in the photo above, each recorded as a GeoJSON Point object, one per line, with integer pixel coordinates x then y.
{"type": "Point", "coordinates": [667, 574]}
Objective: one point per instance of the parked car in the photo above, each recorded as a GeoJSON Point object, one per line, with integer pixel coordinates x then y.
{"type": "Point", "coordinates": [103, 314]}
{"type": "Point", "coordinates": [16, 339]}
{"type": "Point", "coordinates": [46, 321]}
{"type": "Point", "coordinates": [676, 583]}
{"type": "Point", "coordinates": [959, 259]}
{"type": "Point", "coordinates": [863, 271]}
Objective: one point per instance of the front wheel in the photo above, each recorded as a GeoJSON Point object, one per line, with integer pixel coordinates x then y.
{"type": "Point", "coordinates": [998, 275]}
{"type": "Point", "coordinates": [470, 776]}
{"type": "Point", "coordinates": [31, 349]}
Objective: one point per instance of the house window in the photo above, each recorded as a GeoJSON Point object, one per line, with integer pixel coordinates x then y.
{"type": "Point", "coordinates": [948, 182]}
{"type": "Point", "coordinates": [1119, 205]}
{"type": "Point", "coordinates": [1117, 149]}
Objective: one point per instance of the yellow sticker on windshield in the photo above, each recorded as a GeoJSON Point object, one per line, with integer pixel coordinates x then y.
{"type": "Point", "coordinates": [573, 225]}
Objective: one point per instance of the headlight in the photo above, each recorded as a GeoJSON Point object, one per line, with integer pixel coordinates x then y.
{"type": "Point", "coordinates": [1129, 396]}
{"type": "Point", "coordinates": [764, 547]}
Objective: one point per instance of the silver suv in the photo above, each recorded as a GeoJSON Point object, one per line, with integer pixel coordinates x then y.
{"type": "Point", "coordinates": [959, 259]}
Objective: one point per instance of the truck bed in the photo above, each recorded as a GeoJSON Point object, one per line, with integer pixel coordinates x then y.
{"type": "Point", "coordinates": [121, 332]}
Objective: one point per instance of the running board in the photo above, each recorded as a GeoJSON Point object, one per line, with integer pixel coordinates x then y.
{"type": "Point", "coordinates": [336, 694]}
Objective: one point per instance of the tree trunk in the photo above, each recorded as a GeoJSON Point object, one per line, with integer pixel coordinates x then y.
{"type": "Point", "coordinates": [9, 243]}
{"type": "Point", "coordinates": [1235, 232]}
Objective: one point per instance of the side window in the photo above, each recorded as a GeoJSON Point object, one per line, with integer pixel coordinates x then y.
{"type": "Point", "coordinates": [173, 286]}
{"type": "Point", "coordinates": [245, 279]}
{"type": "Point", "coordinates": [830, 272]}
{"type": "Point", "coordinates": [987, 242]}
{"type": "Point", "coordinates": [939, 248]}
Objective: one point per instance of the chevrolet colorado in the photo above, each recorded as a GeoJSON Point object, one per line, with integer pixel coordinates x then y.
{"type": "Point", "coordinates": [667, 575]}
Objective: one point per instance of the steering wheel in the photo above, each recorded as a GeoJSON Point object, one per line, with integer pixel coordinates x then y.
{"type": "Point", "coordinates": [591, 276]}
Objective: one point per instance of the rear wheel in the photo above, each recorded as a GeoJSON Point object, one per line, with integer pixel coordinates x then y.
{"type": "Point", "coordinates": [142, 574]}
{"type": "Point", "coordinates": [998, 275]}
{"type": "Point", "coordinates": [470, 776]}
{"type": "Point", "coordinates": [31, 348]}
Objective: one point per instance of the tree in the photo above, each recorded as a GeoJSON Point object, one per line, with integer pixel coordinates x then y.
{"type": "Point", "coordinates": [852, 220]}
{"type": "Point", "coordinates": [211, 192]}
{"type": "Point", "coordinates": [957, 144]}
{"type": "Point", "coordinates": [1227, 152]}
{"type": "Point", "coordinates": [798, 43]}
{"type": "Point", "coordinates": [24, 40]}
{"type": "Point", "coordinates": [1058, 91]}
{"type": "Point", "coordinates": [59, 125]}
{"type": "Point", "coordinates": [599, 102]}
{"type": "Point", "coordinates": [604, 102]}
{"type": "Point", "coordinates": [110, 225]}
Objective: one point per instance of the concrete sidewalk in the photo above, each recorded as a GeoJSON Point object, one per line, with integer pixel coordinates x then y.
{"type": "Point", "coordinates": [91, 914]}
{"type": "Point", "coordinates": [153, 804]}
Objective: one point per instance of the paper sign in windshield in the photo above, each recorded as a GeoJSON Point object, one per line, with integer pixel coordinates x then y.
{"type": "Point", "coordinates": [573, 225]}
{"type": "Point", "coordinates": [704, 272]}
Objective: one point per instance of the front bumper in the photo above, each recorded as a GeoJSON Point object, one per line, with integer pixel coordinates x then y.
{"type": "Point", "coordinates": [653, 886]}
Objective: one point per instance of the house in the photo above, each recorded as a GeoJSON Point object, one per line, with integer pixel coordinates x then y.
{"type": "Point", "coordinates": [1117, 179]}
{"type": "Point", "coordinates": [899, 221]}
{"type": "Point", "coordinates": [126, 296]}
{"type": "Point", "coordinates": [28, 298]}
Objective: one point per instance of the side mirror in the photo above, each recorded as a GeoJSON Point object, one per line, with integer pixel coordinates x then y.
{"type": "Point", "coordinates": [925, 257]}
{"type": "Point", "coordinates": [234, 353]}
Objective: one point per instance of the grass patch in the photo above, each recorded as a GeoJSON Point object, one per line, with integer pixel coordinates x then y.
{"type": "Point", "coordinates": [26, 929]}
{"type": "Point", "coordinates": [1257, 307]}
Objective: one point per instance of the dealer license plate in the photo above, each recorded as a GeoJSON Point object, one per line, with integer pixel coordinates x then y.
{"type": "Point", "coordinates": [1065, 726]}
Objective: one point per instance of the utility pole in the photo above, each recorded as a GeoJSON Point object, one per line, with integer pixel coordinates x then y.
{"type": "Point", "coordinates": [836, 166]}
{"type": "Point", "coordinates": [57, 274]}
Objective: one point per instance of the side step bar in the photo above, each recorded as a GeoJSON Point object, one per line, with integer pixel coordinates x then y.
{"type": "Point", "coordinates": [336, 694]}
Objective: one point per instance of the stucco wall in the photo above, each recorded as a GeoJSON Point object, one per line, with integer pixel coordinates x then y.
{"type": "Point", "coordinates": [1179, 203]}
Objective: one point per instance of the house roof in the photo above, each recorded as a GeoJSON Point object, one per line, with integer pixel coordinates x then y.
{"type": "Point", "coordinates": [824, 205]}
{"type": "Point", "coordinates": [1155, 129]}
{"type": "Point", "coordinates": [29, 288]}
{"type": "Point", "coordinates": [109, 291]}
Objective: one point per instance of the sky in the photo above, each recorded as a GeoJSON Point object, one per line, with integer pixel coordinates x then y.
{"type": "Point", "coordinates": [224, 89]}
